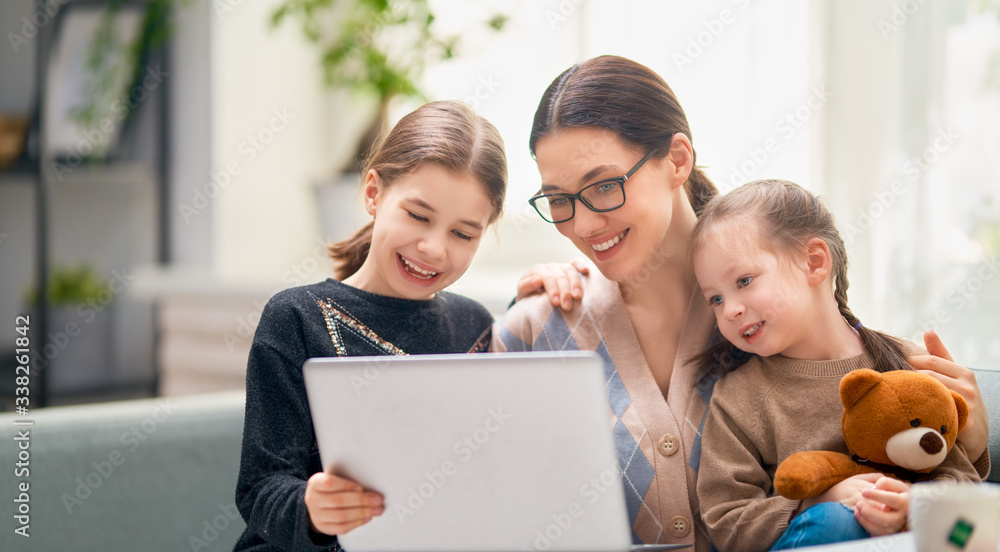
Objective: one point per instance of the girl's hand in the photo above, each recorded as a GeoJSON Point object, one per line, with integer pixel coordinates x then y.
{"type": "Point", "coordinates": [337, 505]}
{"type": "Point", "coordinates": [561, 281]}
{"type": "Point", "coordinates": [847, 492]}
{"type": "Point", "coordinates": [882, 511]}
{"type": "Point", "coordinates": [975, 435]}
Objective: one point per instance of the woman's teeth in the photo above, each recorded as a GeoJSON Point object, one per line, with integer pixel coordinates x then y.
{"type": "Point", "coordinates": [417, 271]}
{"type": "Point", "coordinates": [609, 244]}
{"type": "Point", "coordinates": [753, 329]}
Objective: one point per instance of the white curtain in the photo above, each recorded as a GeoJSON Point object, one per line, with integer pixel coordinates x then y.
{"type": "Point", "coordinates": [909, 146]}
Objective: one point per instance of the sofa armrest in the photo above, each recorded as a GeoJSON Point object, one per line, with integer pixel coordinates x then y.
{"type": "Point", "coordinates": [989, 385]}
{"type": "Point", "coordinates": [151, 474]}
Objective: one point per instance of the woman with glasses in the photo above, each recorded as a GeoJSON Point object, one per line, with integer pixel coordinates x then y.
{"type": "Point", "coordinates": [618, 179]}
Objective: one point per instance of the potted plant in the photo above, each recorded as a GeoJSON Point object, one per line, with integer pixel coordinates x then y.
{"type": "Point", "coordinates": [373, 48]}
{"type": "Point", "coordinates": [77, 350]}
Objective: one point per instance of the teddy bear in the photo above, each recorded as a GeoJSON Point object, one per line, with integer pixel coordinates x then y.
{"type": "Point", "coordinates": [901, 423]}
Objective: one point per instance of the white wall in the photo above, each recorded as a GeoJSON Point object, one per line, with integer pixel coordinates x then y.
{"type": "Point", "coordinates": [253, 128]}
{"type": "Point", "coordinates": [267, 140]}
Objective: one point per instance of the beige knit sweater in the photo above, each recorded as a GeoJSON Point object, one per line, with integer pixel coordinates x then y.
{"type": "Point", "coordinates": [761, 413]}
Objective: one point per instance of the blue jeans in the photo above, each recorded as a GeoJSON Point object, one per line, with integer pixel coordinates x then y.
{"type": "Point", "coordinates": [824, 523]}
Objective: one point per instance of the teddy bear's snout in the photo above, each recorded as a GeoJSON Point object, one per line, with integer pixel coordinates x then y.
{"type": "Point", "coordinates": [931, 442]}
{"type": "Point", "coordinates": [916, 449]}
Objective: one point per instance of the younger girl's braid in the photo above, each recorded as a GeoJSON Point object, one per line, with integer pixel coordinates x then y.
{"type": "Point", "coordinates": [885, 349]}
{"type": "Point", "coordinates": [840, 293]}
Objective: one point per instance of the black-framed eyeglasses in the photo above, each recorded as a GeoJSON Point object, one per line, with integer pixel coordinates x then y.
{"type": "Point", "coordinates": [600, 197]}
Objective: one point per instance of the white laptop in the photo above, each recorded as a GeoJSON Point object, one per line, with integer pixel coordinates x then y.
{"type": "Point", "coordinates": [488, 452]}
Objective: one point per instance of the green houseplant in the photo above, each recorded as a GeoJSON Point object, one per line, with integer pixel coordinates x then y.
{"type": "Point", "coordinates": [376, 50]}
{"type": "Point", "coordinates": [70, 286]}
{"type": "Point", "coordinates": [77, 349]}
{"type": "Point", "coordinates": [111, 64]}
{"type": "Point", "coordinates": [115, 62]}
{"type": "Point", "coordinates": [376, 47]}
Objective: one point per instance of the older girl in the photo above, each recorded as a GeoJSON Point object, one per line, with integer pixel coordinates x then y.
{"type": "Point", "coordinates": [433, 185]}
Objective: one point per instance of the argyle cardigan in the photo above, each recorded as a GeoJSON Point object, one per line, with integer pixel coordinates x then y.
{"type": "Point", "coordinates": [658, 440]}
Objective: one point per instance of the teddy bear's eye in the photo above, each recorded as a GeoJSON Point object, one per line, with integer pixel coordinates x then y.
{"type": "Point", "coordinates": [915, 422]}
{"type": "Point", "coordinates": [944, 429]}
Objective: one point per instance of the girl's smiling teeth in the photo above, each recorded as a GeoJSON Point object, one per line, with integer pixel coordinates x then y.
{"type": "Point", "coordinates": [604, 246]}
{"type": "Point", "coordinates": [753, 329]}
{"type": "Point", "coordinates": [416, 271]}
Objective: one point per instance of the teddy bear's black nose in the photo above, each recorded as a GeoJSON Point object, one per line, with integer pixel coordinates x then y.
{"type": "Point", "coordinates": [931, 443]}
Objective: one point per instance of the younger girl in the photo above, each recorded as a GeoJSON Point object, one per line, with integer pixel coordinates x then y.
{"type": "Point", "coordinates": [773, 266]}
{"type": "Point", "coordinates": [433, 185]}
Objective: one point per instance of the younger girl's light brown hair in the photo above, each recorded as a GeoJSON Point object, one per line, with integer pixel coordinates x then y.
{"type": "Point", "coordinates": [447, 133]}
{"type": "Point", "coordinates": [784, 216]}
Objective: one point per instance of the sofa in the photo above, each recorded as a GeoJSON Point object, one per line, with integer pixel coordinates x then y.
{"type": "Point", "coordinates": [158, 474]}
{"type": "Point", "coordinates": [989, 384]}
{"type": "Point", "coordinates": [149, 475]}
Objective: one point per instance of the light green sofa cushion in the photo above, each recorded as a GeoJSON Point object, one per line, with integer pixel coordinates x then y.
{"type": "Point", "coordinates": [157, 474]}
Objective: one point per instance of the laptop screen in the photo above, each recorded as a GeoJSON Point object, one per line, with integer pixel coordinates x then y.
{"type": "Point", "coordinates": [495, 452]}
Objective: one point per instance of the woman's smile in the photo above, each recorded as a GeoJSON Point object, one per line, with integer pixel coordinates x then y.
{"type": "Point", "coordinates": [602, 246]}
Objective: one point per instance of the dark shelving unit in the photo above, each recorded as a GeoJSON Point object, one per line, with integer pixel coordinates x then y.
{"type": "Point", "coordinates": [31, 166]}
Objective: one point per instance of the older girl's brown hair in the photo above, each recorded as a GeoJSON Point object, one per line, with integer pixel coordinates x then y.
{"type": "Point", "coordinates": [446, 133]}
{"type": "Point", "coordinates": [625, 97]}
{"type": "Point", "coordinates": [781, 217]}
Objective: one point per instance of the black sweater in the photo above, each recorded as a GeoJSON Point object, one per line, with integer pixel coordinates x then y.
{"type": "Point", "coordinates": [323, 320]}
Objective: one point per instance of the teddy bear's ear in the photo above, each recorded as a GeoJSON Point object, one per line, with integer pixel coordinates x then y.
{"type": "Point", "coordinates": [963, 410]}
{"type": "Point", "coordinates": [855, 384]}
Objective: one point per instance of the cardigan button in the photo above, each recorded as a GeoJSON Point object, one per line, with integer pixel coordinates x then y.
{"type": "Point", "coordinates": [679, 526]}
{"type": "Point", "coordinates": [668, 445]}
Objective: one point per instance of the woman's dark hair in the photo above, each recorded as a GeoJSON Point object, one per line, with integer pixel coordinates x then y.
{"type": "Point", "coordinates": [781, 217]}
{"type": "Point", "coordinates": [447, 133]}
{"type": "Point", "coordinates": [625, 97]}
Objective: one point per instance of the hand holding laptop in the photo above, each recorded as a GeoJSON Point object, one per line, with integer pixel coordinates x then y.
{"type": "Point", "coordinates": [337, 505]}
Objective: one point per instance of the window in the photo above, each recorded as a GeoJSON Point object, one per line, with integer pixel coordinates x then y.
{"type": "Point", "coordinates": [888, 109]}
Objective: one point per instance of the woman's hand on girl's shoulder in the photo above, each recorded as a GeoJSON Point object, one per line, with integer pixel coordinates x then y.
{"type": "Point", "coordinates": [939, 364]}
{"type": "Point", "coordinates": [560, 281]}
{"type": "Point", "coordinates": [337, 505]}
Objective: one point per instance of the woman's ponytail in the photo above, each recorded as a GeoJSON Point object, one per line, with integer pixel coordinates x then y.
{"type": "Point", "coordinates": [700, 189]}
{"type": "Point", "coordinates": [351, 253]}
